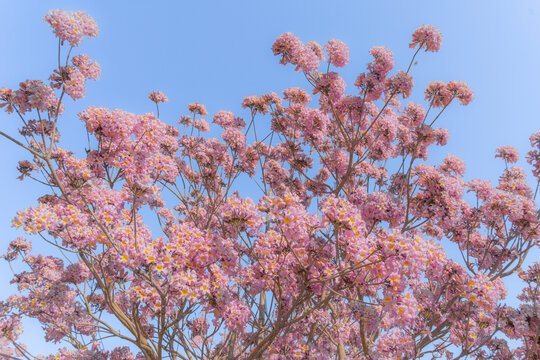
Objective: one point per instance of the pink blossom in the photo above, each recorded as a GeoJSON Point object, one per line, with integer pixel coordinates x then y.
{"type": "Point", "coordinates": [34, 94]}
{"type": "Point", "coordinates": [533, 156]}
{"type": "Point", "coordinates": [275, 173]}
{"type": "Point", "coordinates": [331, 86]}
{"type": "Point", "coordinates": [16, 247]}
{"type": "Point", "coordinates": [453, 164]}
{"type": "Point", "coordinates": [75, 83]}
{"type": "Point", "coordinates": [381, 207]}
{"type": "Point", "coordinates": [508, 153]}
{"type": "Point", "coordinates": [158, 96]}
{"type": "Point", "coordinates": [370, 85]}
{"type": "Point", "coordinates": [271, 99]}
{"type": "Point", "coordinates": [227, 119]}
{"type": "Point", "coordinates": [317, 50]}
{"type": "Point", "coordinates": [383, 61]}
{"type": "Point", "coordinates": [6, 96]}
{"type": "Point", "coordinates": [256, 104]}
{"type": "Point", "coordinates": [235, 139]}
{"type": "Point", "coordinates": [236, 316]}
{"type": "Point", "coordinates": [197, 109]}
{"type": "Point", "coordinates": [441, 136]}
{"type": "Point", "coordinates": [338, 53]}
{"type": "Point", "coordinates": [296, 95]}
{"type": "Point", "coordinates": [201, 125]}
{"type": "Point", "coordinates": [461, 91]}
{"type": "Point", "coordinates": [438, 94]}
{"type": "Point", "coordinates": [414, 115]}
{"type": "Point", "coordinates": [89, 68]}
{"type": "Point", "coordinates": [428, 36]}
{"type": "Point", "coordinates": [305, 57]}
{"type": "Point", "coordinates": [71, 26]}
{"type": "Point", "coordinates": [400, 83]}
{"type": "Point", "coordinates": [287, 45]}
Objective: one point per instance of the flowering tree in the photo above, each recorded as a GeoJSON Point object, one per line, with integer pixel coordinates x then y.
{"type": "Point", "coordinates": [340, 258]}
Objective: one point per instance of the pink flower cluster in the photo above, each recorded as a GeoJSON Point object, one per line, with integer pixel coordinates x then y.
{"type": "Point", "coordinates": [372, 83]}
{"type": "Point", "coordinates": [17, 247]}
{"type": "Point", "coordinates": [441, 94]}
{"type": "Point", "coordinates": [305, 57]}
{"type": "Point", "coordinates": [74, 83]}
{"type": "Point", "coordinates": [453, 165]}
{"type": "Point", "coordinates": [197, 109]}
{"type": "Point", "coordinates": [33, 94]}
{"type": "Point", "coordinates": [533, 156]}
{"type": "Point", "coordinates": [414, 115]}
{"type": "Point", "coordinates": [508, 153]}
{"type": "Point", "coordinates": [438, 94]}
{"type": "Point", "coordinates": [6, 96]}
{"type": "Point", "coordinates": [256, 104]}
{"type": "Point", "coordinates": [296, 95]}
{"type": "Point", "coordinates": [400, 83]}
{"type": "Point", "coordinates": [338, 53]}
{"type": "Point", "coordinates": [93, 352]}
{"type": "Point", "coordinates": [71, 26]}
{"type": "Point", "coordinates": [235, 139]}
{"type": "Point", "coordinates": [332, 88]}
{"type": "Point", "coordinates": [427, 36]}
{"type": "Point", "coordinates": [461, 91]}
{"type": "Point", "coordinates": [227, 119]}
{"type": "Point", "coordinates": [90, 69]}
{"type": "Point", "coordinates": [383, 61]}
{"type": "Point", "coordinates": [158, 96]}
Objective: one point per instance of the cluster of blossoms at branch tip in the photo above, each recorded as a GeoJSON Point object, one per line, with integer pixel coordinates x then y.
{"type": "Point", "coordinates": [71, 26]}
{"type": "Point", "coordinates": [90, 69]}
{"type": "Point", "coordinates": [383, 60]}
{"type": "Point", "coordinates": [296, 95]}
{"type": "Point", "coordinates": [72, 79]}
{"type": "Point", "coordinates": [461, 91]}
{"type": "Point", "coordinates": [227, 119]}
{"type": "Point", "coordinates": [17, 247]}
{"type": "Point", "coordinates": [508, 153]}
{"type": "Point", "coordinates": [437, 94]}
{"type": "Point", "coordinates": [32, 94]}
{"type": "Point", "coordinates": [306, 57]}
{"type": "Point", "coordinates": [401, 83]}
{"type": "Point", "coordinates": [158, 96]}
{"type": "Point", "coordinates": [338, 53]}
{"type": "Point", "coordinates": [197, 109]}
{"type": "Point", "coordinates": [427, 36]}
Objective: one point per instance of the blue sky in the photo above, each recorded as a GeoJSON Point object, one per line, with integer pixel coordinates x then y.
{"type": "Point", "coordinates": [218, 52]}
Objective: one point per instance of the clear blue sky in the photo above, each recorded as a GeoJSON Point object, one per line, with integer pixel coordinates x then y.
{"type": "Point", "coordinates": [217, 52]}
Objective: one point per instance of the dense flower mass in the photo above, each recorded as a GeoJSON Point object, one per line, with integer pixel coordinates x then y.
{"type": "Point", "coordinates": [306, 57]}
{"type": "Point", "coordinates": [400, 83]}
{"type": "Point", "coordinates": [340, 254]}
{"type": "Point", "coordinates": [71, 26]}
{"type": "Point", "coordinates": [508, 153]}
{"type": "Point", "coordinates": [461, 91]}
{"type": "Point", "coordinates": [383, 61]}
{"type": "Point", "coordinates": [33, 94]}
{"type": "Point", "coordinates": [438, 94]}
{"type": "Point", "coordinates": [90, 69]}
{"type": "Point", "coordinates": [197, 109]}
{"type": "Point", "coordinates": [428, 37]}
{"type": "Point", "coordinates": [296, 95]}
{"type": "Point", "coordinates": [338, 53]}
